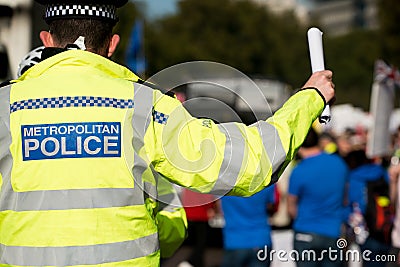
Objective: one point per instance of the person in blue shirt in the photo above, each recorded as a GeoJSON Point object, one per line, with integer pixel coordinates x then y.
{"type": "Point", "coordinates": [316, 203]}
{"type": "Point", "coordinates": [247, 230]}
{"type": "Point", "coordinates": [362, 172]}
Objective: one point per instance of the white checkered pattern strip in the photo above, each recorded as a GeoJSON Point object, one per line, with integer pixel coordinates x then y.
{"type": "Point", "coordinates": [100, 11]}
{"type": "Point", "coordinates": [81, 101]}
{"type": "Point", "coordinates": [69, 101]}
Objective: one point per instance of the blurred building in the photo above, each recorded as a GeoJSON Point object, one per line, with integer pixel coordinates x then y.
{"type": "Point", "coordinates": [16, 32]}
{"type": "Point", "coordinates": [335, 17]}
{"type": "Point", "coordinates": [278, 5]}
{"type": "Point", "coordinates": [19, 31]}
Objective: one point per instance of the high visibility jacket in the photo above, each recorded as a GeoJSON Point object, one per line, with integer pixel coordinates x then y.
{"type": "Point", "coordinates": [171, 218]}
{"type": "Point", "coordinates": [81, 146]}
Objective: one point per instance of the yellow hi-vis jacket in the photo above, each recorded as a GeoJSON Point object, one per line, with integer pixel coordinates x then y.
{"type": "Point", "coordinates": [81, 145]}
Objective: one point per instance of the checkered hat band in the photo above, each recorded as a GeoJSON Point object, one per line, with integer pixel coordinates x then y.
{"type": "Point", "coordinates": [81, 11]}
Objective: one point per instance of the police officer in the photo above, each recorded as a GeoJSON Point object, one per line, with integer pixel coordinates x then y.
{"type": "Point", "coordinates": [82, 141]}
{"type": "Point", "coordinates": [170, 216]}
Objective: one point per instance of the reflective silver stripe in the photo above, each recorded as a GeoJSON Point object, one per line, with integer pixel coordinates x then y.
{"type": "Point", "coordinates": [142, 115]}
{"type": "Point", "coordinates": [150, 190]}
{"type": "Point", "coordinates": [233, 158]}
{"type": "Point", "coordinates": [139, 167]}
{"type": "Point", "coordinates": [272, 144]}
{"type": "Point", "coordinates": [5, 105]}
{"type": "Point", "coordinates": [169, 202]}
{"type": "Point", "coordinates": [69, 199]}
{"type": "Point", "coordinates": [79, 255]}
{"type": "Point", "coordinates": [141, 120]}
{"type": "Point", "coordinates": [6, 161]}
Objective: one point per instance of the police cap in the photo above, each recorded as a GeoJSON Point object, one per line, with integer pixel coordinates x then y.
{"type": "Point", "coordinates": [81, 9]}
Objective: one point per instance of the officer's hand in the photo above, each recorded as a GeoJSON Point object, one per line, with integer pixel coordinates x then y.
{"type": "Point", "coordinates": [322, 80]}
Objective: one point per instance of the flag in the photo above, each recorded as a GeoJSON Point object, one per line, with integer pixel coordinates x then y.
{"type": "Point", "coordinates": [384, 73]}
{"type": "Point", "coordinates": [386, 78]}
{"type": "Point", "coordinates": [135, 58]}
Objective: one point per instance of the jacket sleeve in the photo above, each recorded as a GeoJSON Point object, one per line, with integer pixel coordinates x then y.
{"type": "Point", "coordinates": [171, 219]}
{"type": "Point", "coordinates": [227, 158]}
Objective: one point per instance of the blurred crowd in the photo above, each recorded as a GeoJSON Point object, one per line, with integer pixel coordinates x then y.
{"type": "Point", "coordinates": [333, 192]}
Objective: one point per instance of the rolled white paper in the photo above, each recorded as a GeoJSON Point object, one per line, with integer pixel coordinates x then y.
{"type": "Point", "coordinates": [316, 49]}
{"type": "Point", "coordinates": [317, 62]}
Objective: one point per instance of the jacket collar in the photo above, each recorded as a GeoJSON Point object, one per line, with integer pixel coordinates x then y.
{"type": "Point", "coordinates": [80, 58]}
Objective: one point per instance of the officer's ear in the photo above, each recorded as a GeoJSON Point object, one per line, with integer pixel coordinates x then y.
{"type": "Point", "coordinates": [113, 44]}
{"type": "Point", "coordinates": [46, 38]}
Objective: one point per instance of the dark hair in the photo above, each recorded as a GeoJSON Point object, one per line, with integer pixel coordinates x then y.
{"type": "Point", "coordinates": [97, 33]}
{"type": "Point", "coordinates": [311, 140]}
{"type": "Point", "coordinates": [356, 158]}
